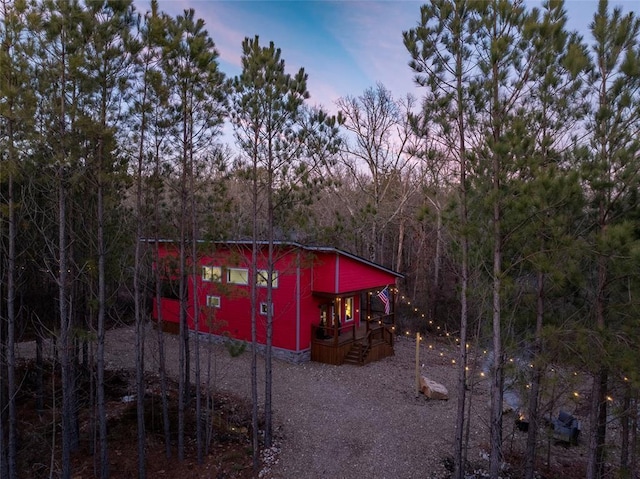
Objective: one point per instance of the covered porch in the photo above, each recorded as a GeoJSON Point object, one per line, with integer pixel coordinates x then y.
{"type": "Point", "coordinates": [352, 344]}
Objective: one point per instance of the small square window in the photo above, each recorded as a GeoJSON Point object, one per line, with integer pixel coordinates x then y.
{"type": "Point", "coordinates": [213, 301]}
{"type": "Point", "coordinates": [264, 308]}
{"type": "Point", "coordinates": [263, 275]}
{"type": "Point", "coordinates": [212, 273]}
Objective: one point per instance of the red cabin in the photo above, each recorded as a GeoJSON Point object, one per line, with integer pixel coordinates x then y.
{"type": "Point", "coordinates": [327, 305]}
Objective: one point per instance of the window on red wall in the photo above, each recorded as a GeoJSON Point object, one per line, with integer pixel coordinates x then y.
{"type": "Point", "coordinates": [263, 275]}
{"type": "Point", "coordinates": [213, 301]}
{"type": "Point", "coordinates": [264, 308]}
{"type": "Point", "coordinates": [348, 309]}
{"type": "Point", "coordinates": [212, 273]}
{"type": "Point", "coordinates": [238, 276]}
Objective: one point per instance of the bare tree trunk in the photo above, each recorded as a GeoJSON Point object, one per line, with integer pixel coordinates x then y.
{"type": "Point", "coordinates": [102, 413]}
{"type": "Point", "coordinates": [532, 433]}
{"type": "Point", "coordinates": [11, 323]}
{"type": "Point", "coordinates": [4, 466]}
{"type": "Point", "coordinates": [162, 361]}
{"type": "Point", "coordinates": [399, 252]}
{"type": "Point", "coordinates": [162, 358]}
{"type": "Point", "coordinates": [625, 421]}
{"type": "Point", "coordinates": [460, 456]}
{"type": "Point", "coordinates": [254, 319]}
{"type": "Point", "coordinates": [138, 292]}
{"type": "Point", "coordinates": [598, 411]}
{"type": "Point", "coordinates": [182, 371]}
{"type": "Point", "coordinates": [498, 360]}
{"type": "Point", "coordinates": [268, 382]}
{"type": "Point", "coordinates": [633, 461]}
{"type": "Point", "coordinates": [196, 318]}
{"type": "Point", "coordinates": [39, 376]}
{"type": "Point", "coordinates": [65, 345]}
{"type": "Point", "coordinates": [497, 367]}
{"type": "Point", "coordinates": [598, 418]}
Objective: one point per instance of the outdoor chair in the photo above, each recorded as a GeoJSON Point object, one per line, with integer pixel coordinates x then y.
{"type": "Point", "coordinates": [566, 428]}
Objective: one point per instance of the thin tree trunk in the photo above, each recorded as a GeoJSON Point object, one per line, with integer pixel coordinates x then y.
{"type": "Point", "coordinates": [39, 376]}
{"type": "Point", "coordinates": [624, 433]}
{"type": "Point", "coordinates": [460, 456]}
{"type": "Point", "coordinates": [595, 464]}
{"type": "Point", "coordinates": [268, 397]}
{"type": "Point", "coordinates": [598, 411]}
{"type": "Point", "coordinates": [182, 372]}
{"type": "Point", "coordinates": [254, 319]}
{"type": "Point", "coordinates": [162, 357]}
{"type": "Point", "coordinates": [138, 292]}
{"type": "Point", "coordinates": [11, 320]}
{"type": "Point", "coordinates": [162, 360]}
{"type": "Point", "coordinates": [633, 461]}
{"type": "Point", "coordinates": [196, 316]}
{"type": "Point", "coordinates": [64, 346]}
{"type": "Point", "coordinates": [102, 413]}
{"type": "Point", "coordinates": [497, 369]}
{"type": "Point", "coordinates": [532, 433]}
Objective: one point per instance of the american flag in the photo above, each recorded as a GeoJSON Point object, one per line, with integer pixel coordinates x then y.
{"type": "Point", "coordinates": [384, 297]}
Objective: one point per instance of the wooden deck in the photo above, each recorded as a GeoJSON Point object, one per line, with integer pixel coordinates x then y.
{"type": "Point", "coordinates": [352, 345]}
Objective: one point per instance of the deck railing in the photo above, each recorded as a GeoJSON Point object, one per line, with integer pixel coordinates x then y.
{"type": "Point", "coordinates": [331, 345]}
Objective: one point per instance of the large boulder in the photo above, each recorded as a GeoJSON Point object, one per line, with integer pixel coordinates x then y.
{"type": "Point", "coordinates": [432, 389]}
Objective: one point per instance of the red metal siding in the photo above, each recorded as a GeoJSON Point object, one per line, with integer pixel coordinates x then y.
{"type": "Point", "coordinates": [292, 321]}
{"type": "Point", "coordinates": [234, 315]}
{"type": "Point", "coordinates": [324, 272]}
{"type": "Point", "coordinates": [352, 275]}
{"type": "Point", "coordinates": [355, 276]}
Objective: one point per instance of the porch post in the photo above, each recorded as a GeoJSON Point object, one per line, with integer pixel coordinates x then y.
{"type": "Point", "coordinates": [368, 312]}
{"type": "Point", "coordinates": [335, 323]}
{"type": "Point", "coordinates": [392, 298]}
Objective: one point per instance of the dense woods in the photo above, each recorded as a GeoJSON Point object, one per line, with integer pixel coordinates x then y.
{"type": "Point", "coordinates": [508, 194]}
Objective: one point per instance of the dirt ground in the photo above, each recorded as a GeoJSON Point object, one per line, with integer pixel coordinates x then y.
{"type": "Point", "coordinates": [331, 421]}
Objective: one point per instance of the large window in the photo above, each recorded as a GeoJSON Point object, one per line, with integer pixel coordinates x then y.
{"type": "Point", "coordinates": [263, 278]}
{"type": "Point", "coordinates": [212, 273]}
{"type": "Point", "coordinates": [238, 276]}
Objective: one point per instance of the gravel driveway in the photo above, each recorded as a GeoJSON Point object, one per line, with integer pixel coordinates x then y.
{"type": "Point", "coordinates": [340, 421]}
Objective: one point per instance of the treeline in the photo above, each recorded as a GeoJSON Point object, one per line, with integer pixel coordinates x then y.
{"type": "Point", "coordinates": [508, 194]}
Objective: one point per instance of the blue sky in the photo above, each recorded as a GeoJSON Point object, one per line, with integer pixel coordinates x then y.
{"type": "Point", "coordinates": [345, 46]}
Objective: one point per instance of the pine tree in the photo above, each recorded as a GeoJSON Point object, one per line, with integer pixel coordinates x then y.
{"type": "Point", "coordinates": [17, 104]}
{"type": "Point", "coordinates": [612, 174]}
{"type": "Point", "coordinates": [105, 85]}
{"type": "Point", "coordinates": [60, 42]}
{"type": "Point", "coordinates": [197, 93]}
{"type": "Point", "coordinates": [275, 134]}
{"type": "Point", "coordinates": [448, 26]}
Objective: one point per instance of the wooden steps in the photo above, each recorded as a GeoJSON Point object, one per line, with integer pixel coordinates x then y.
{"type": "Point", "coordinates": [357, 355]}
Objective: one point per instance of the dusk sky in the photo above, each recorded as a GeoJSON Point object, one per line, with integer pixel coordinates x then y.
{"type": "Point", "coordinates": [344, 46]}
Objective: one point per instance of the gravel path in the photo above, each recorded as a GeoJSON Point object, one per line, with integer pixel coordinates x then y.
{"type": "Point", "coordinates": [339, 421]}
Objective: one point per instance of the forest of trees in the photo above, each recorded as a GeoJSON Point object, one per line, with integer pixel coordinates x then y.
{"type": "Point", "coordinates": [508, 194]}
